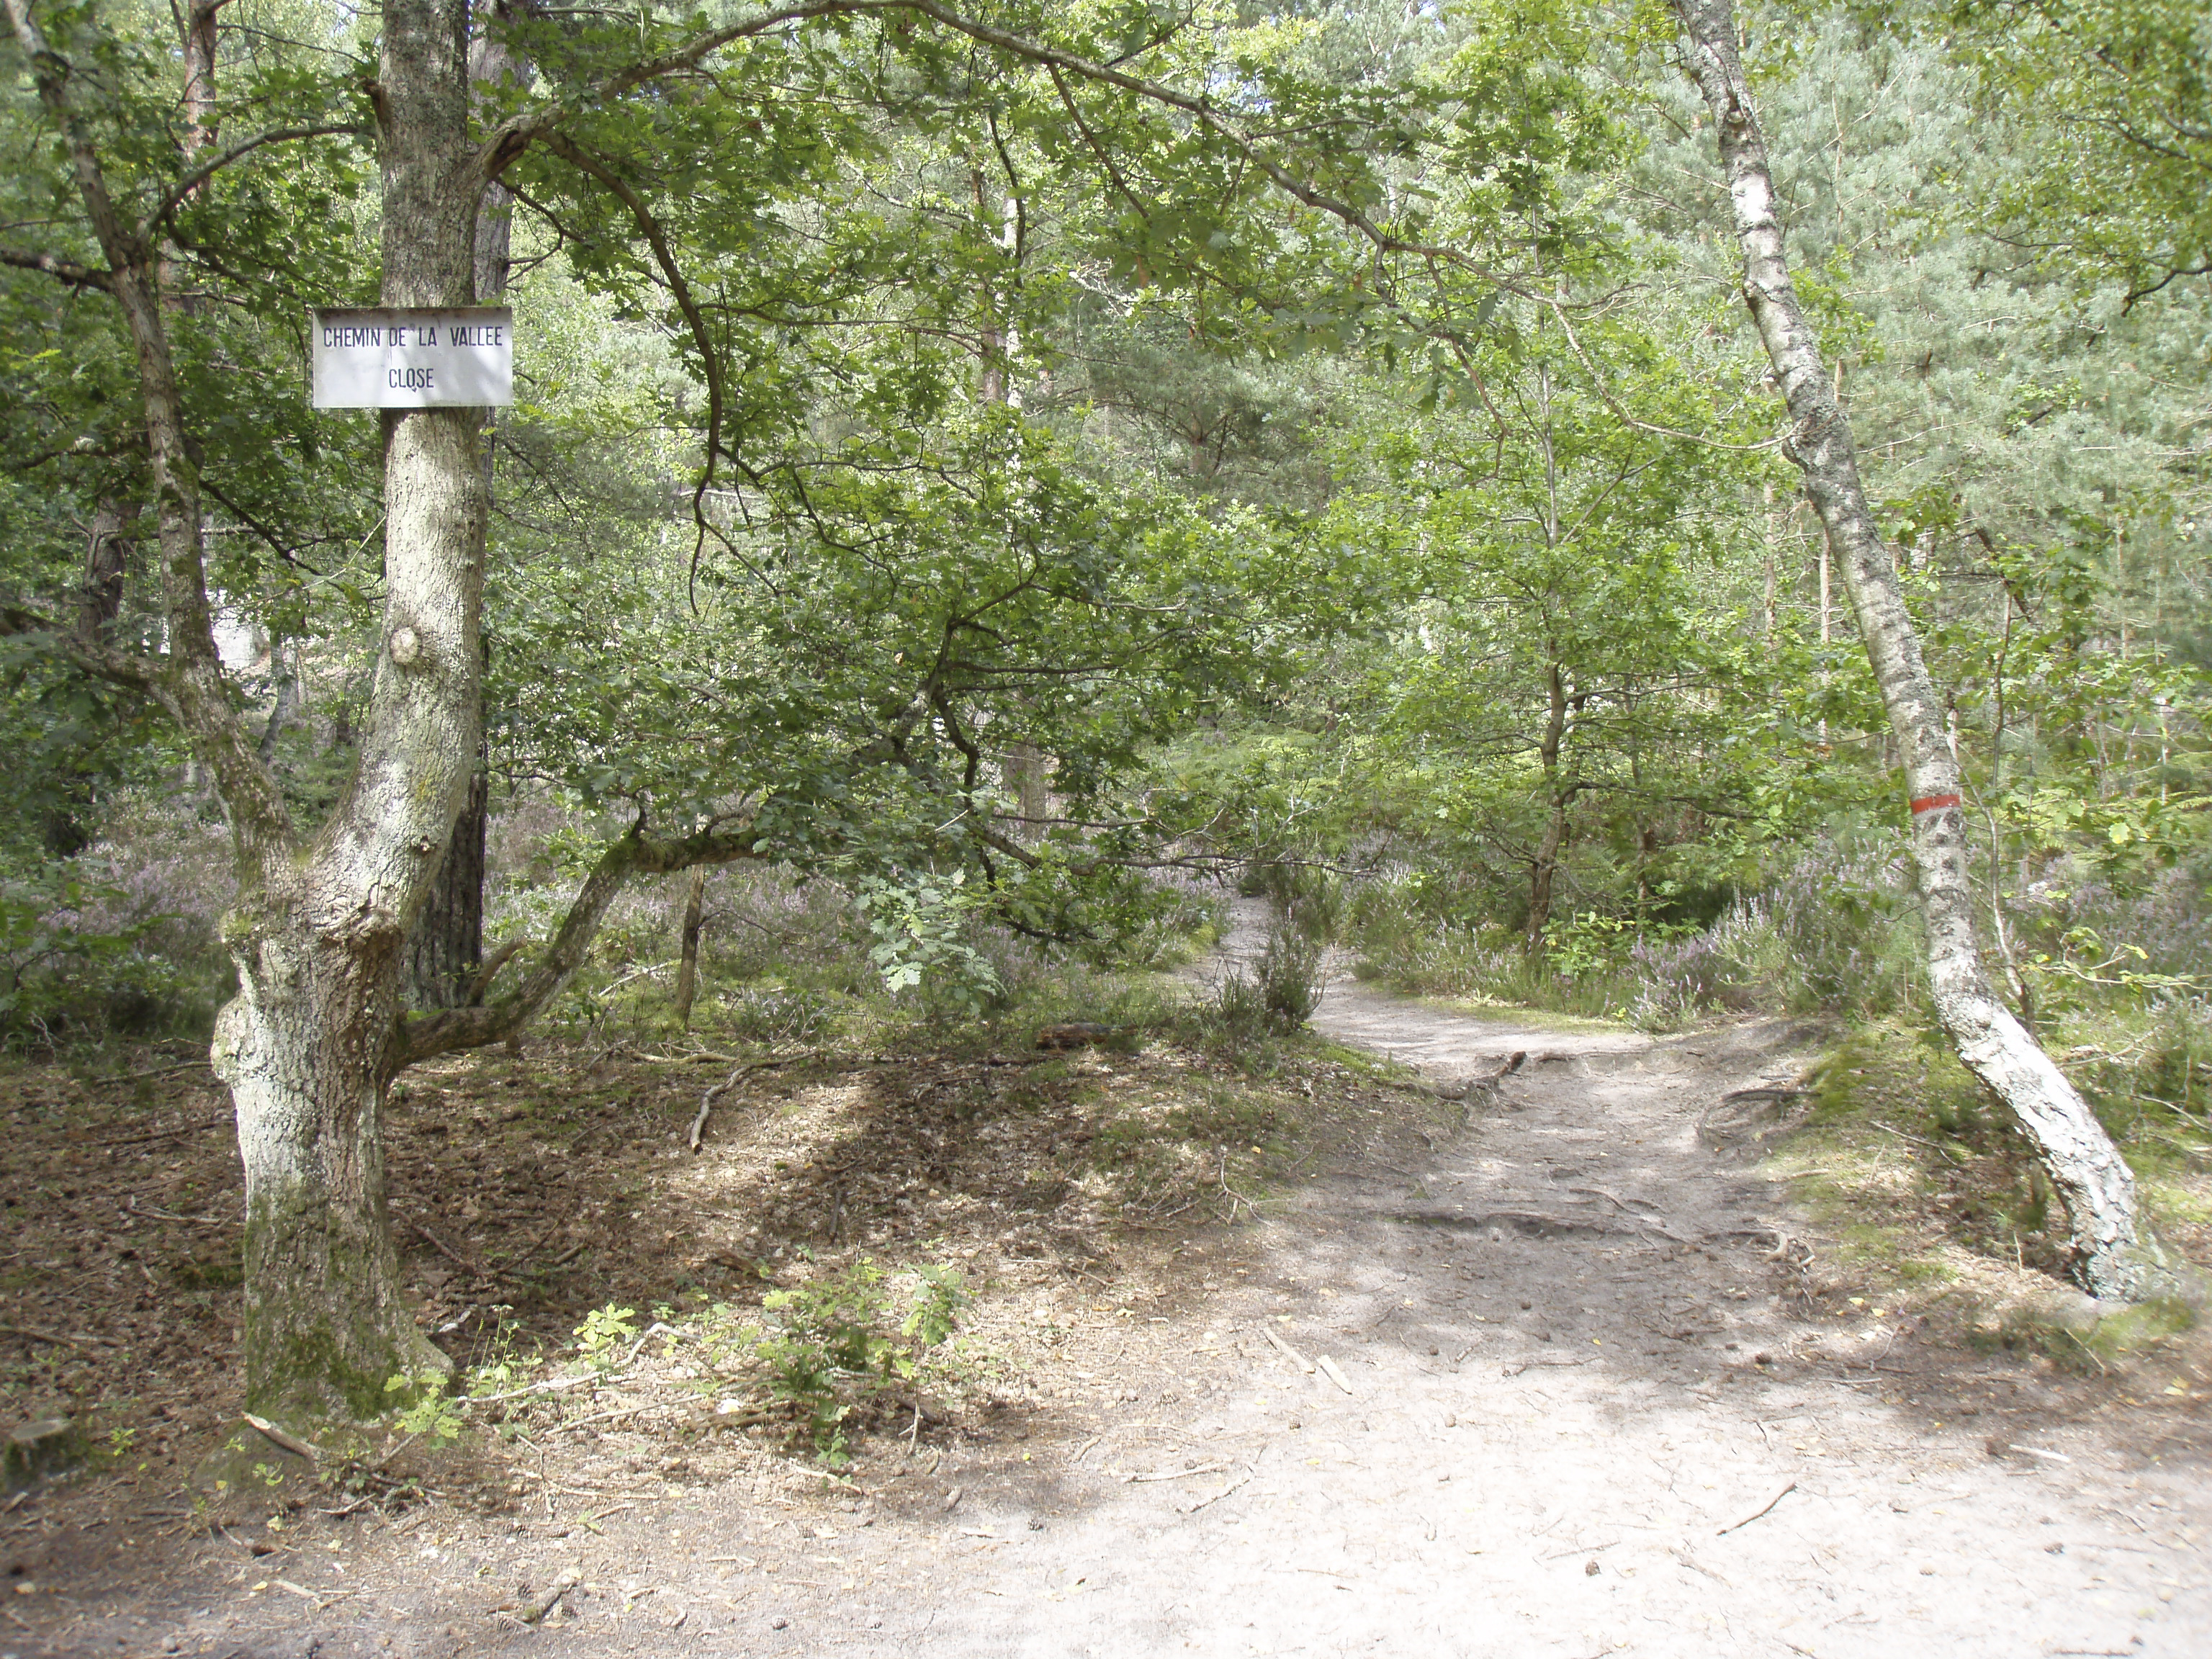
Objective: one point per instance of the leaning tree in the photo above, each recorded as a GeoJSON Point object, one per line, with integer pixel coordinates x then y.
{"type": "Point", "coordinates": [2113, 1253]}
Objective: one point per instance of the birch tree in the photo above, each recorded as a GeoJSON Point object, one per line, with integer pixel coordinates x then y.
{"type": "Point", "coordinates": [2114, 1254]}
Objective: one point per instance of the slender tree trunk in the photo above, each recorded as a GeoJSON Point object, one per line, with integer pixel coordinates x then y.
{"type": "Point", "coordinates": [1024, 768]}
{"type": "Point", "coordinates": [447, 947]}
{"type": "Point", "coordinates": [284, 686]}
{"type": "Point", "coordinates": [1542, 873]}
{"type": "Point", "coordinates": [106, 565]}
{"type": "Point", "coordinates": [687, 972]}
{"type": "Point", "coordinates": [2113, 1254]}
{"type": "Point", "coordinates": [69, 821]}
{"type": "Point", "coordinates": [1543, 870]}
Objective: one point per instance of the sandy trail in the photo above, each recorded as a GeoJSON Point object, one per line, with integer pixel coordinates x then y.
{"type": "Point", "coordinates": [1569, 1406]}
{"type": "Point", "coordinates": [1570, 1394]}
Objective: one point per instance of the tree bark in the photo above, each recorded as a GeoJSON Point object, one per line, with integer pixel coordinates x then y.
{"type": "Point", "coordinates": [308, 1046]}
{"type": "Point", "coordinates": [447, 947]}
{"type": "Point", "coordinates": [2113, 1254]}
{"type": "Point", "coordinates": [687, 972]}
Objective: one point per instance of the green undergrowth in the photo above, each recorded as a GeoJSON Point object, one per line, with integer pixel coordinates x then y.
{"type": "Point", "coordinates": [838, 1194]}
{"type": "Point", "coordinates": [1930, 1192]}
{"type": "Point", "coordinates": [2077, 1334]}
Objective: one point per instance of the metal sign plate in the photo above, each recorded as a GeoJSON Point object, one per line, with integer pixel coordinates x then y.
{"type": "Point", "coordinates": [414, 359]}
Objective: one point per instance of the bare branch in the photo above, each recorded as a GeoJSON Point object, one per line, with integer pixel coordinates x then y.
{"type": "Point", "coordinates": [635, 855]}
{"type": "Point", "coordinates": [62, 271]}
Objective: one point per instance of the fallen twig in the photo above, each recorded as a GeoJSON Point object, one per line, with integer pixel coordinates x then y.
{"type": "Point", "coordinates": [447, 1250]}
{"type": "Point", "coordinates": [602, 1417]}
{"type": "Point", "coordinates": [224, 1120]}
{"type": "Point", "coordinates": [553, 1387]}
{"type": "Point", "coordinates": [1334, 1375]}
{"type": "Point", "coordinates": [1691, 1562]}
{"type": "Point", "coordinates": [1234, 1197]}
{"type": "Point", "coordinates": [200, 1064]}
{"type": "Point", "coordinates": [60, 1338]}
{"type": "Point", "coordinates": [1179, 1475]}
{"type": "Point", "coordinates": [2095, 1358]}
{"type": "Point", "coordinates": [1618, 1203]}
{"type": "Point", "coordinates": [654, 1329]}
{"type": "Point", "coordinates": [318, 1598]}
{"type": "Point", "coordinates": [1918, 1140]}
{"type": "Point", "coordinates": [1788, 1486]}
{"type": "Point", "coordinates": [283, 1438]}
{"type": "Point", "coordinates": [591, 1522]}
{"type": "Point", "coordinates": [706, 1100]}
{"type": "Point", "coordinates": [148, 1211]}
{"type": "Point", "coordinates": [1541, 1365]}
{"type": "Point", "coordinates": [1288, 1352]}
{"type": "Point", "coordinates": [1196, 1504]}
{"type": "Point", "coordinates": [537, 1609]}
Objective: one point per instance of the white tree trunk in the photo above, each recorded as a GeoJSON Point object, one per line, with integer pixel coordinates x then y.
{"type": "Point", "coordinates": [2113, 1254]}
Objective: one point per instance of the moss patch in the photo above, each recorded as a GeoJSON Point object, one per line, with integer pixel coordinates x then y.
{"type": "Point", "coordinates": [2080, 1336]}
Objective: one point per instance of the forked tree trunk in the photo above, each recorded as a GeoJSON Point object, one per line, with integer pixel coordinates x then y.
{"type": "Point", "coordinates": [2114, 1256]}
{"type": "Point", "coordinates": [318, 930]}
{"type": "Point", "coordinates": [309, 1044]}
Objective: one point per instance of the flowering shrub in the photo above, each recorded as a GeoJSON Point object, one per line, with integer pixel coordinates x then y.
{"type": "Point", "coordinates": [1834, 934]}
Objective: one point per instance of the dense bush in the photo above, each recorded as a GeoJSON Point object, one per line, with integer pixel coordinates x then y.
{"type": "Point", "coordinates": [122, 939]}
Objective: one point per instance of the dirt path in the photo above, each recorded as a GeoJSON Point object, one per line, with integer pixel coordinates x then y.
{"type": "Point", "coordinates": [1550, 1392]}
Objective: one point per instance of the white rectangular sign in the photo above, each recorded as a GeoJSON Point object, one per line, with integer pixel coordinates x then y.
{"type": "Point", "coordinates": [414, 359]}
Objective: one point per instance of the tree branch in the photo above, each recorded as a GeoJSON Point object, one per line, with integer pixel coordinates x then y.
{"type": "Point", "coordinates": [62, 271]}
{"type": "Point", "coordinates": [637, 853]}
{"type": "Point", "coordinates": [710, 363]}
{"type": "Point", "coordinates": [199, 175]}
{"type": "Point", "coordinates": [515, 134]}
{"type": "Point", "coordinates": [1200, 110]}
{"type": "Point", "coordinates": [93, 657]}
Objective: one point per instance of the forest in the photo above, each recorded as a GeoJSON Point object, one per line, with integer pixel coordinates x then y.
{"type": "Point", "coordinates": [1643, 516]}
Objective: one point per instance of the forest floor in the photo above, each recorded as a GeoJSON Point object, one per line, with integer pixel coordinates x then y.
{"type": "Point", "coordinates": [1555, 1370]}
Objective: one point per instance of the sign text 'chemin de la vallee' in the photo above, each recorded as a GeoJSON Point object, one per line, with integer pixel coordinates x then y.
{"type": "Point", "coordinates": [414, 359]}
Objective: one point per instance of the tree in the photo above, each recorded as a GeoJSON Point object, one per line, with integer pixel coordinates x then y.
{"type": "Point", "coordinates": [2120, 98]}
{"type": "Point", "coordinates": [1565, 654]}
{"type": "Point", "coordinates": [318, 1027]}
{"type": "Point", "coordinates": [2114, 1254]}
